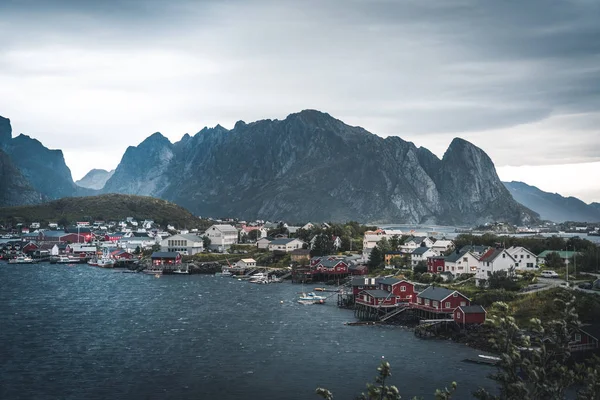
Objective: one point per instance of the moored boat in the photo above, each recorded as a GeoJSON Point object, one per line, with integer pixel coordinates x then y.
{"type": "Point", "coordinates": [21, 260]}
{"type": "Point", "coordinates": [311, 298]}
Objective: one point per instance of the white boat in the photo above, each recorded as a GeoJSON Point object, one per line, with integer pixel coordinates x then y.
{"type": "Point", "coordinates": [106, 262]}
{"type": "Point", "coordinates": [311, 298]}
{"type": "Point", "coordinates": [21, 260]}
{"type": "Point", "coordinates": [66, 260]}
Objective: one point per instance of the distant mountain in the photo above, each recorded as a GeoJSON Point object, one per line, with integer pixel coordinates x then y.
{"type": "Point", "coordinates": [109, 207]}
{"type": "Point", "coordinates": [42, 169]}
{"type": "Point", "coordinates": [312, 166]}
{"type": "Point", "coordinates": [553, 206]}
{"type": "Point", "coordinates": [95, 179]}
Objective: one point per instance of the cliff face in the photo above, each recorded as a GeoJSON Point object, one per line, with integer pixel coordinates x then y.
{"type": "Point", "coordinates": [553, 206]}
{"type": "Point", "coordinates": [142, 169]}
{"type": "Point", "coordinates": [311, 166]}
{"type": "Point", "coordinates": [14, 187]}
{"type": "Point", "coordinates": [95, 179]}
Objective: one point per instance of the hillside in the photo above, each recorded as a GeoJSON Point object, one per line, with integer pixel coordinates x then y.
{"type": "Point", "coordinates": [108, 207]}
{"type": "Point", "coordinates": [553, 206]}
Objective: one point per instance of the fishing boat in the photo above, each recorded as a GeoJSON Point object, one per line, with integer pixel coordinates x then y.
{"type": "Point", "coordinates": [483, 359]}
{"type": "Point", "coordinates": [21, 260]}
{"type": "Point", "coordinates": [67, 260]}
{"type": "Point", "coordinates": [311, 298]}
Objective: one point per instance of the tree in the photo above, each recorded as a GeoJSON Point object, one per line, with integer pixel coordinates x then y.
{"type": "Point", "coordinates": [532, 366]}
{"type": "Point", "coordinates": [206, 242]}
{"type": "Point", "coordinates": [137, 250]}
{"type": "Point", "coordinates": [254, 235]}
{"type": "Point", "coordinates": [384, 245]}
{"type": "Point", "coordinates": [502, 280]}
{"type": "Point", "coordinates": [375, 258]}
{"type": "Point", "coordinates": [380, 391]}
{"type": "Point", "coordinates": [553, 261]}
{"type": "Point", "coordinates": [323, 246]}
{"type": "Point", "coordinates": [394, 242]}
{"type": "Point", "coordinates": [420, 268]}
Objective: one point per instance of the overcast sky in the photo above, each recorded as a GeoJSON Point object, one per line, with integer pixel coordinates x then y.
{"type": "Point", "coordinates": [520, 79]}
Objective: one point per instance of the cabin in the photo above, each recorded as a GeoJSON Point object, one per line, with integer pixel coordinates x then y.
{"type": "Point", "coordinates": [166, 257]}
{"type": "Point", "coordinates": [440, 300]}
{"type": "Point", "coordinates": [285, 245]}
{"type": "Point", "coordinates": [263, 243]}
{"type": "Point", "coordinates": [402, 290]}
{"type": "Point", "coordinates": [332, 266]}
{"type": "Point", "coordinates": [376, 298]}
{"type": "Point", "coordinates": [246, 263]}
{"type": "Point", "coordinates": [585, 338]}
{"type": "Point", "coordinates": [468, 315]}
{"type": "Point", "coordinates": [360, 284]}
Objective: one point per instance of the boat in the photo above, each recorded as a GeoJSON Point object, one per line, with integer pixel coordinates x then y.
{"type": "Point", "coordinates": [311, 298]}
{"type": "Point", "coordinates": [66, 260]}
{"type": "Point", "coordinates": [21, 260]}
{"type": "Point", "coordinates": [261, 278]}
{"type": "Point", "coordinates": [106, 263]}
{"type": "Point", "coordinates": [224, 272]}
{"type": "Point", "coordinates": [483, 359]}
{"type": "Point", "coordinates": [93, 262]}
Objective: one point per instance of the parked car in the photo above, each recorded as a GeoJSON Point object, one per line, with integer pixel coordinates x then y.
{"type": "Point", "coordinates": [549, 274]}
{"type": "Point", "coordinates": [585, 285]}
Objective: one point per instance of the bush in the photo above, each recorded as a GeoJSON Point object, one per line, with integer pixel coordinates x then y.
{"type": "Point", "coordinates": [489, 297]}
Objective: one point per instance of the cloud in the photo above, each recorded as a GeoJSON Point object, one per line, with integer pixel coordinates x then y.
{"type": "Point", "coordinates": [519, 79]}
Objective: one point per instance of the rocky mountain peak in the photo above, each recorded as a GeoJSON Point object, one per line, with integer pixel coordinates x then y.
{"type": "Point", "coordinates": [5, 131]}
{"type": "Point", "coordinates": [95, 179]}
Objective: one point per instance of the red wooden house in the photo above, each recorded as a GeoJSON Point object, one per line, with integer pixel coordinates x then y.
{"type": "Point", "coordinates": [166, 257]}
{"type": "Point", "coordinates": [332, 266]}
{"type": "Point", "coordinates": [467, 315]}
{"type": "Point", "coordinates": [121, 255]}
{"type": "Point", "coordinates": [376, 298]}
{"type": "Point", "coordinates": [586, 338]}
{"type": "Point", "coordinates": [402, 290]}
{"type": "Point", "coordinates": [440, 300]}
{"type": "Point", "coordinates": [435, 265]}
{"type": "Point", "coordinates": [360, 284]}
{"type": "Point", "coordinates": [30, 248]}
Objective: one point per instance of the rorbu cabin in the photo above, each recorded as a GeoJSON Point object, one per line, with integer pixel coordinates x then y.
{"type": "Point", "coordinates": [376, 298]}
{"type": "Point", "coordinates": [586, 338]}
{"type": "Point", "coordinates": [404, 291]}
{"type": "Point", "coordinates": [440, 300]}
{"type": "Point", "coordinates": [469, 315]}
{"type": "Point", "coordinates": [166, 258]}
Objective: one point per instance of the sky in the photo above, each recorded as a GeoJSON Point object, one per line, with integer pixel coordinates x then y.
{"type": "Point", "coordinates": [520, 79]}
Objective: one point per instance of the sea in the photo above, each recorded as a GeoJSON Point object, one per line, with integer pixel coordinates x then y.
{"type": "Point", "coordinates": [82, 332]}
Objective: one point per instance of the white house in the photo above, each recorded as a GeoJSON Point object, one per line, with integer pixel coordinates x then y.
{"type": "Point", "coordinates": [285, 245]}
{"type": "Point", "coordinates": [222, 236]}
{"type": "Point", "coordinates": [337, 242]}
{"type": "Point", "coordinates": [263, 243]}
{"type": "Point", "coordinates": [493, 260]}
{"type": "Point", "coordinates": [461, 262]}
{"type": "Point", "coordinates": [186, 244]}
{"type": "Point", "coordinates": [525, 260]}
{"type": "Point", "coordinates": [246, 263]}
{"type": "Point", "coordinates": [371, 238]}
{"type": "Point", "coordinates": [412, 243]}
{"type": "Point", "coordinates": [421, 254]}
{"type": "Point", "coordinates": [442, 246]}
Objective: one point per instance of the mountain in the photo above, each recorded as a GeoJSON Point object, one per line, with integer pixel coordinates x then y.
{"type": "Point", "coordinates": [95, 179]}
{"type": "Point", "coordinates": [142, 168]}
{"type": "Point", "coordinates": [14, 188]}
{"type": "Point", "coordinates": [553, 206]}
{"type": "Point", "coordinates": [108, 207]}
{"type": "Point", "coordinates": [312, 166]}
{"type": "Point", "coordinates": [42, 169]}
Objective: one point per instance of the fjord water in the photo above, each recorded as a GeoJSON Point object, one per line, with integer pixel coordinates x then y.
{"type": "Point", "coordinates": [79, 332]}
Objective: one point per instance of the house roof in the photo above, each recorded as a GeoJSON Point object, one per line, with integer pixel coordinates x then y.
{"type": "Point", "coordinates": [248, 260]}
{"type": "Point", "coordinates": [515, 249]}
{"type": "Point", "coordinates": [592, 330]}
{"type": "Point", "coordinates": [420, 250]}
{"type": "Point", "coordinates": [362, 281]}
{"type": "Point", "coordinates": [442, 243]}
{"type": "Point", "coordinates": [416, 239]}
{"type": "Point", "coordinates": [561, 253]}
{"type": "Point", "coordinates": [378, 294]}
{"type": "Point", "coordinates": [165, 254]}
{"type": "Point", "coordinates": [492, 254]}
{"type": "Point", "coordinates": [455, 256]}
{"type": "Point", "coordinates": [225, 228]}
{"type": "Point", "coordinates": [435, 293]}
{"type": "Point", "coordinates": [330, 263]}
{"type": "Point", "coordinates": [282, 241]}
{"type": "Point", "coordinates": [475, 249]}
{"type": "Point", "coordinates": [476, 309]}
{"type": "Point", "coordinates": [390, 281]}
{"type": "Point", "coordinates": [190, 236]}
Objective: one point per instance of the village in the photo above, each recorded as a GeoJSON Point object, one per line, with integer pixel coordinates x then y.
{"type": "Point", "coordinates": [393, 277]}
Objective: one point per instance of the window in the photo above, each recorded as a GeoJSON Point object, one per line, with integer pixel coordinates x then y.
{"type": "Point", "coordinates": [503, 255]}
{"type": "Point", "coordinates": [403, 288]}
{"type": "Point", "coordinates": [435, 304]}
{"type": "Point", "coordinates": [454, 294]}
{"type": "Point", "coordinates": [527, 255]}
{"type": "Point", "coordinates": [426, 302]}
{"type": "Point", "coordinates": [465, 259]}
{"type": "Point", "coordinates": [529, 265]}
{"type": "Point", "coordinates": [578, 337]}
{"type": "Point", "coordinates": [458, 314]}
{"type": "Point", "coordinates": [463, 303]}
{"type": "Point", "coordinates": [447, 304]}
{"type": "Point", "coordinates": [521, 255]}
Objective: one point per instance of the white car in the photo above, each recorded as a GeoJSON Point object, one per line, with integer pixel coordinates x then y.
{"type": "Point", "coordinates": [549, 274]}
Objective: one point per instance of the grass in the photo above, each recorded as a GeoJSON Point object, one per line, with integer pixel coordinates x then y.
{"type": "Point", "coordinates": [107, 207]}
